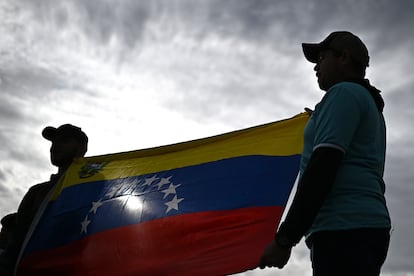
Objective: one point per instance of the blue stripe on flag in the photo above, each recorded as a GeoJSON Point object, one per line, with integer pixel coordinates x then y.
{"type": "Point", "coordinates": [89, 208]}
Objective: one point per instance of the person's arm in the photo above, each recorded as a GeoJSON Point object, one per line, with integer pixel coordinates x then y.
{"type": "Point", "coordinates": [315, 184]}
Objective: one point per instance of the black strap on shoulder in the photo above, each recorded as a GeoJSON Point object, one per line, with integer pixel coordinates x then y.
{"type": "Point", "coordinates": [375, 93]}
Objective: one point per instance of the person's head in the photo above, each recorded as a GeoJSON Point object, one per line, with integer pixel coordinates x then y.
{"type": "Point", "coordinates": [68, 142]}
{"type": "Point", "coordinates": [340, 56]}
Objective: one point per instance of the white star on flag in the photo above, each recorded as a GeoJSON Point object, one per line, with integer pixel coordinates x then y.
{"type": "Point", "coordinates": [148, 181]}
{"type": "Point", "coordinates": [163, 182]}
{"type": "Point", "coordinates": [84, 225]}
{"type": "Point", "coordinates": [170, 190]}
{"type": "Point", "coordinates": [173, 204]}
{"type": "Point", "coordinates": [95, 206]}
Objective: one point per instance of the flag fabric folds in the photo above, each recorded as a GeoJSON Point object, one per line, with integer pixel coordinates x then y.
{"type": "Point", "coordinates": [203, 207]}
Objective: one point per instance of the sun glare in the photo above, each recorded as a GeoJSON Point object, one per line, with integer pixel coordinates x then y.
{"type": "Point", "coordinates": [133, 203]}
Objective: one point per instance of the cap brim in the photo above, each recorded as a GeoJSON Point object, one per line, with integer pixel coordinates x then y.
{"type": "Point", "coordinates": [311, 51]}
{"type": "Point", "coordinates": [49, 133]}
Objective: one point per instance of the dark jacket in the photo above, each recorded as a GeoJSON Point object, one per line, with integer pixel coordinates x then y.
{"type": "Point", "coordinates": [26, 212]}
{"type": "Point", "coordinates": [8, 226]}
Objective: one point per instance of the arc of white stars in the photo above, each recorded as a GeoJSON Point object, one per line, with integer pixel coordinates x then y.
{"type": "Point", "coordinates": [84, 225]}
{"type": "Point", "coordinates": [95, 206]}
{"type": "Point", "coordinates": [173, 204]}
{"type": "Point", "coordinates": [170, 190]}
{"type": "Point", "coordinates": [163, 182]}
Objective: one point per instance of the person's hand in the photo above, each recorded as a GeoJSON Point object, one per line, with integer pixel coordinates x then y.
{"type": "Point", "coordinates": [275, 256]}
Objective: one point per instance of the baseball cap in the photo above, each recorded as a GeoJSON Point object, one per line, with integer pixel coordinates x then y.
{"type": "Point", "coordinates": [338, 41]}
{"type": "Point", "coordinates": [65, 131]}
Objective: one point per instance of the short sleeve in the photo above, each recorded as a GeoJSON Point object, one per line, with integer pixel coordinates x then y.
{"type": "Point", "coordinates": [338, 117]}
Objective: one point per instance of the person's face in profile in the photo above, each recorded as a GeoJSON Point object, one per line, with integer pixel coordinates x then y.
{"type": "Point", "coordinates": [328, 69]}
{"type": "Point", "coordinates": [63, 151]}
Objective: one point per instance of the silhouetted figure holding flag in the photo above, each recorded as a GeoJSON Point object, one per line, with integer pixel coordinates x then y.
{"type": "Point", "coordinates": [68, 142]}
{"type": "Point", "coordinates": [339, 204]}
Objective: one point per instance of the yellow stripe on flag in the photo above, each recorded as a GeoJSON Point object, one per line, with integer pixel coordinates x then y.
{"type": "Point", "coordinates": [281, 138]}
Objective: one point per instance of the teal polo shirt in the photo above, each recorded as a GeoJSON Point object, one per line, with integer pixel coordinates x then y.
{"type": "Point", "coordinates": [347, 119]}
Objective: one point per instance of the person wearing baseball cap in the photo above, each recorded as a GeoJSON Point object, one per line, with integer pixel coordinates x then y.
{"type": "Point", "coordinates": [339, 205]}
{"type": "Point", "coordinates": [68, 142]}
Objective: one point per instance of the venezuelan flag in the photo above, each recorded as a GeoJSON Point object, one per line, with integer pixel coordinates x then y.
{"type": "Point", "coordinates": [204, 207]}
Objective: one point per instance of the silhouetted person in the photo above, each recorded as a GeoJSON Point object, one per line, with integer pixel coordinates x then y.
{"type": "Point", "coordinates": [68, 142]}
{"type": "Point", "coordinates": [8, 225]}
{"type": "Point", "coordinates": [339, 204]}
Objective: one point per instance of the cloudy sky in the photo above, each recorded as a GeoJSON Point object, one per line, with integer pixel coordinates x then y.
{"type": "Point", "coordinates": [136, 74]}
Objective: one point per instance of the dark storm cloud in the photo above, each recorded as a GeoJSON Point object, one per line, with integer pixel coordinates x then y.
{"type": "Point", "coordinates": [29, 81]}
{"type": "Point", "coordinates": [281, 25]}
{"type": "Point", "coordinates": [8, 112]}
{"type": "Point", "coordinates": [103, 21]}
{"type": "Point", "coordinates": [399, 176]}
{"type": "Point", "coordinates": [100, 21]}
{"type": "Point", "coordinates": [23, 90]}
{"type": "Point", "coordinates": [399, 105]}
{"type": "Point", "coordinates": [255, 20]}
{"type": "Point", "coordinates": [399, 194]}
{"type": "Point", "coordinates": [25, 87]}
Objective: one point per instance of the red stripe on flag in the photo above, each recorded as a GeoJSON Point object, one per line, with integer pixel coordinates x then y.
{"type": "Point", "coordinates": [203, 243]}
